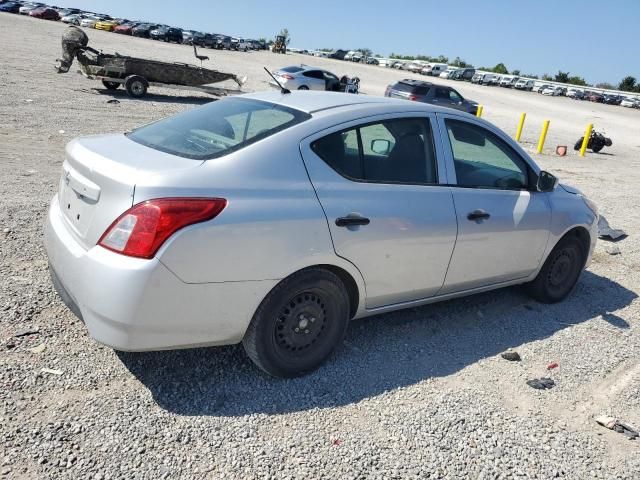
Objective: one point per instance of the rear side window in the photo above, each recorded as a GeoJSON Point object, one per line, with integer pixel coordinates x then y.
{"type": "Point", "coordinates": [217, 128]}
{"type": "Point", "coordinates": [291, 69]}
{"type": "Point", "coordinates": [392, 151]}
{"type": "Point", "coordinates": [415, 89]}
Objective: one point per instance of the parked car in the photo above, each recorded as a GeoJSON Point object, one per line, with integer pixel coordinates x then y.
{"type": "Point", "coordinates": [630, 102]}
{"type": "Point", "coordinates": [372, 61]}
{"type": "Point", "coordinates": [448, 73]}
{"type": "Point", "coordinates": [45, 13]}
{"type": "Point", "coordinates": [594, 97]}
{"type": "Point", "coordinates": [125, 28]}
{"type": "Point", "coordinates": [575, 93]}
{"type": "Point", "coordinates": [553, 91]}
{"type": "Point", "coordinates": [89, 21]}
{"type": "Point", "coordinates": [427, 92]}
{"type": "Point", "coordinates": [10, 7]}
{"type": "Point", "coordinates": [73, 19]}
{"type": "Point", "coordinates": [108, 25]}
{"type": "Point", "coordinates": [463, 74]}
{"type": "Point", "coordinates": [490, 79]}
{"type": "Point", "coordinates": [304, 77]}
{"type": "Point", "coordinates": [27, 7]}
{"type": "Point", "coordinates": [611, 99]}
{"type": "Point", "coordinates": [278, 233]}
{"type": "Point", "coordinates": [434, 69]}
{"type": "Point", "coordinates": [243, 45]}
{"type": "Point", "coordinates": [537, 87]}
{"type": "Point", "coordinates": [223, 42]}
{"type": "Point", "coordinates": [166, 34]}
{"type": "Point", "coordinates": [144, 30]}
{"type": "Point", "coordinates": [478, 77]}
{"type": "Point", "coordinates": [508, 81]}
{"type": "Point", "coordinates": [524, 84]}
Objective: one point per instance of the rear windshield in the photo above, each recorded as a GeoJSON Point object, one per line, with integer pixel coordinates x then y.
{"type": "Point", "coordinates": [217, 128]}
{"type": "Point", "coordinates": [291, 69]}
{"type": "Point", "coordinates": [416, 89]}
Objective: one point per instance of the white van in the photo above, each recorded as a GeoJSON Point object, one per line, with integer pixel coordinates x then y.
{"type": "Point", "coordinates": [508, 81]}
{"type": "Point", "coordinates": [434, 69]}
{"type": "Point", "coordinates": [524, 84]}
{"type": "Point", "coordinates": [385, 62]}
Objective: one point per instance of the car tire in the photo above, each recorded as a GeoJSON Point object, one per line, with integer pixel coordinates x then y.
{"type": "Point", "coordinates": [110, 85]}
{"type": "Point", "coordinates": [303, 87]}
{"type": "Point", "coordinates": [597, 147]}
{"type": "Point", "coordinates": [560, 272]}
{"type": "Point", "coordinates": [136, 86]}
{"type": "Point", "coordinates": [299, 324]}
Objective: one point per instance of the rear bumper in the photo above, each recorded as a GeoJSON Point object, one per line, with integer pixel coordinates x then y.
{"type": "Point", "coordinates": [136, 305]}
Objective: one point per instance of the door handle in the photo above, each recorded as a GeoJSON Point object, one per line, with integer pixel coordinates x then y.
{"type": "Point", "coordinates": [478, 215]}
{"type": "Point", "coordinates": [352, 221]}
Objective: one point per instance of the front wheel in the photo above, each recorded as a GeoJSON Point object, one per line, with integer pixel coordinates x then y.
{"type": "Point", "coordinates": [303, 87]}
{"type": "Point", "coordinates": [298, 324]}
{"type": "Point", "coordinates": [560, 272]}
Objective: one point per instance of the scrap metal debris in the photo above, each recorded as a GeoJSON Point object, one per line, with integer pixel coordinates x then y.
{"type": "Point", "coordinates": [552, 365]}
{"type": "Point", "coordinates": [511, 355]}
{"type": "Point", "coordinates": [616, 425]}
{"type": "Point", "coordinates": [613, 250]}
{"type": "Point", "coordinates": [605, 232]}
{"type": "Point", "coordinates": [24, 333]}
{"type": "Point", "coordinates": [51, 371]}
{"type": "Point", "coordinates": [543, 383]}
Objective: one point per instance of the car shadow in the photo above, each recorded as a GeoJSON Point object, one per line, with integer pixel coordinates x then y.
{"type": "Point", "coordinates": [380, 353]}
{"type": "Point", "coordinates": [121, 95]}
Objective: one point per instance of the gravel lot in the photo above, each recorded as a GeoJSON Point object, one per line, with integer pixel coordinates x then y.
{"type": "Point", "coordinates": [421, 393]}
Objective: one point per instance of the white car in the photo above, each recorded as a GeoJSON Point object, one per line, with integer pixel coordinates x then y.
{"type": "Point", "coordinates": [447, 73]}
{"type": "Point", "coordinates": [73, 19]}
{"type": "Point", "coordinates": [552, 91]}
{"type": "Point", "coordinates": [244, 45]}
{"type": "Point", "coordinates": [524, 84]}
{"type": "Point", "coordinates": [89, 22]}
{"type": "Point", "coordinates": [27, 7]}
{"type": "Point", "coordinates": [539, 87]}
{"type": "Point", "coordinates": [630, 102]}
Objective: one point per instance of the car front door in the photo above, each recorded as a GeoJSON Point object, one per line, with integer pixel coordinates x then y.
{"type": "Point", "coordinates": [503, 223]}
{"type": "Point", "coordinates": [387, 205]}
{"type": "Point", "coordinates": [314, 79]}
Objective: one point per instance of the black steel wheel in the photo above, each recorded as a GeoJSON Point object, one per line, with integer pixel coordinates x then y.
{"type": "Point", "coordinates": [560, 272]}
{"type": "Point", "coordinates": [136, 86]}
{"type": "Point", "coordinates": [298, 324]}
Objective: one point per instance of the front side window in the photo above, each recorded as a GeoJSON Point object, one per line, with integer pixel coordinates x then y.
{"type": "Point", "coordinates": [217, 128]}
{"type": "Point", "coordinates": [391, 151]}
{"type": "Point", "coordinates": [483, 160]}
{"type": "Point", "coordinates": [455, 96]}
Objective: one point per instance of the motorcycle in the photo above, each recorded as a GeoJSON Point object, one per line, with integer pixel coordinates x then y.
{"type": "Point", "coordinates": [597, 141]}
{"type": "Point", "coordinates": [349, 85]}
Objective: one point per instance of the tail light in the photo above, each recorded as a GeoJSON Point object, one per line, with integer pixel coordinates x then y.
{"type": "Point", "coordinates": [141, 230]}
{"type": "Point", "coordinates": [288, 77]}
{"type": "Point", "coordinates": [413, 97]}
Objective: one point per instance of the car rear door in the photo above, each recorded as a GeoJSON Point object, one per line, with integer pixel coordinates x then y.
{"type": "Point", "coordinates": [379, 182]}
{"type": "Point", "coordinates": [503, 223]}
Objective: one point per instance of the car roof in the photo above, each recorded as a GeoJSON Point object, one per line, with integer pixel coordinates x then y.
{"type": "Point", "coordinates": [417, 83]}
{"type": "Point", "coordinates": [314, 101]}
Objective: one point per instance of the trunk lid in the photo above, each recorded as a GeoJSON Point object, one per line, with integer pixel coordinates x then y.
{"type": "Point", "coordinates": [98, 181]}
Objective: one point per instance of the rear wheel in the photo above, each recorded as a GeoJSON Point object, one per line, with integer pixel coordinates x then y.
{"type": "Point", "coordinates": [303, 87]}
{"type": "Point", "coordinates": [298, 324]}
{"type": "Point", "coordinates": [597, 146]}
{"type": "Point", "coordinates": [110, 85]}
{"type": "Point", "coordinates": [560, 271]}
{"type": "Point", "coordinates": [136, 86]}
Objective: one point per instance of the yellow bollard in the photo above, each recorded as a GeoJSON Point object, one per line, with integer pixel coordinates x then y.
{"type": "Point", "coordinates": [585, 140]}
{"type": "Point", "coordinates": [543, 135]}
{"type": "Point", "coordinates": [479, 112]}
{"type": "Point", "coordinates": [520, 126]}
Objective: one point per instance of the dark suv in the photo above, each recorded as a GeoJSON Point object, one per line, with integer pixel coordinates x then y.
{"type": "Point", "coordinates": [167, 34]}
{"type": "Point", "coordinates": [427, 92]}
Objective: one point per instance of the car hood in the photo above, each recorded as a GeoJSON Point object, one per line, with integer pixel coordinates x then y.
{"type": "Point", "coordinates": [570, 189]}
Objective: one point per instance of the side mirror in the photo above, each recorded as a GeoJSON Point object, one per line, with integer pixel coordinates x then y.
{"type": "Point", "coordinates": [546, 182]}
{"type": "Point", "coordinates": [380, 146]}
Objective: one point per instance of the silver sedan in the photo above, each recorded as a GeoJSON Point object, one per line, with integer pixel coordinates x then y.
{"type": "Point", "coordinates": [304, 77]}
{"type": "Point", "coordinates": [273, 219]}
